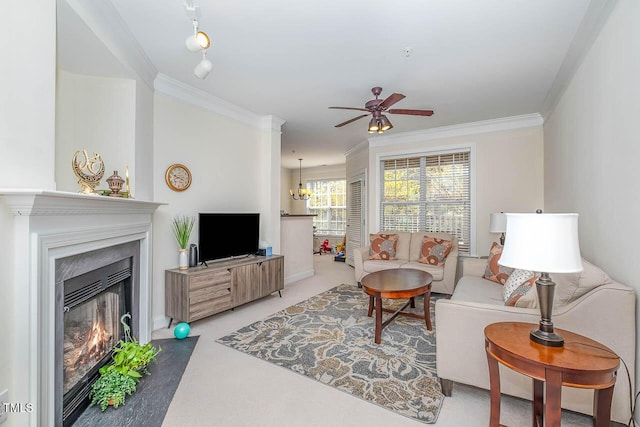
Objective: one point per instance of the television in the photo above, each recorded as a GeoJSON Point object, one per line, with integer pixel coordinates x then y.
{"type": "Point", "coordinates": [226, 235]}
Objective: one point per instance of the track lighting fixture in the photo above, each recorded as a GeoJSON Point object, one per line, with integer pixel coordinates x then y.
{"type": "Point", "coordinates": [205, 66]}
{"type": "Point", "coordinates": [199, 41]}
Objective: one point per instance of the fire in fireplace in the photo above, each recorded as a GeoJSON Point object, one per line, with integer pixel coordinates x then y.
{"type": "Point", "coordinates": [91, 330]}
{"type": "Point", "coordinates": [89, 314]}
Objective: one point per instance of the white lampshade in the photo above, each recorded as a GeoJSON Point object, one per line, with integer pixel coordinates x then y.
{"type": "Point", "coordinates": [542, 242]}
{"type": "Point", "coordinates": [498, 223]}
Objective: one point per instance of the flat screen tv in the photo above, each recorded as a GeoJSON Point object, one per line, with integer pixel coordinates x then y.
{"type": "Point", "coordinates": [225, 235]}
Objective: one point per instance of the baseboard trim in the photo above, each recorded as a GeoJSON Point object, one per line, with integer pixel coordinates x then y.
{"type": "Point", "coordinates": [299, 276]}
{"type": "Point", "coordinates": [160, 322]}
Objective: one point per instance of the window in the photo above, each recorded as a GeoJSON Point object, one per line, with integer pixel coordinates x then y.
{"type": "Point", "coordinates": [329, 202]}
{"type": "Point", "coordinates": [429, 192]}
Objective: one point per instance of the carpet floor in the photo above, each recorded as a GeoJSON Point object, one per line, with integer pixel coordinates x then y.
{"type": "Point", "coordinates": [330, 338]}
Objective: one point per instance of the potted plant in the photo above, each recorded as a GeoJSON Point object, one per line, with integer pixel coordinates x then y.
{"type": "Point", "coordinates": [111, 389]}
{"type": "Point", "coordinates": [182, 226]}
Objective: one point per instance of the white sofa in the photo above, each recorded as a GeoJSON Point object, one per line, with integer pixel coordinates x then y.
{"type": "Point", "coordinates": [588, 303]}
{"type": "Point", "coordinates": [407, 255]}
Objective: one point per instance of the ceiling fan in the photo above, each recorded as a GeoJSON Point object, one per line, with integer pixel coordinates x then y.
{"type": "Point", "coordinates": [379, 123]}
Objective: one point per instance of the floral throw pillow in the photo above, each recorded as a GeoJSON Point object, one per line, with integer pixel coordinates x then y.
{"type": "Point", "coordinates": [434, 251]}
{"type": "Point", "coordinates": [517, 285]}
{"type": "Point", "coordinates": [494, 271]}
{"type": "Point", "coordinates": [383, 246]}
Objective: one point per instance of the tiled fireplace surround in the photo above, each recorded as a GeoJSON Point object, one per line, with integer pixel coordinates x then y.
{"type": "Point", "coordinates": [49, 226]}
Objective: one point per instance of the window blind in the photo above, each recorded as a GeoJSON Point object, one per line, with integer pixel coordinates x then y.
{"type": "Point", "coordinates": [430, 192]}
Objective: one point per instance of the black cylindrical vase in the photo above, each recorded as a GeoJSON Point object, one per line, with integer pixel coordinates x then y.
{"type": "Point", "coordinates": [193, 255]}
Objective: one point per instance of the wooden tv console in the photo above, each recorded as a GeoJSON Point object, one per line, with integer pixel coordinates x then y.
{"type": "Point", "coordinates": [203, 291]}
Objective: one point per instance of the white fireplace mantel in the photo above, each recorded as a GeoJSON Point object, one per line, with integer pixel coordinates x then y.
{"type": "Point", "coordinates": [46, 202]}
{"type": "Point", "coordinates": [48, 226]}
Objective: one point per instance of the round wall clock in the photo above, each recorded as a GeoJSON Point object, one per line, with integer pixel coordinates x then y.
{"type": "Point", "coordinates": [178, 177]}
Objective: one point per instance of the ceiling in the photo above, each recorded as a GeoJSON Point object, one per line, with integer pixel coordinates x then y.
{"type": "Point", "coordinates": [468, 60]}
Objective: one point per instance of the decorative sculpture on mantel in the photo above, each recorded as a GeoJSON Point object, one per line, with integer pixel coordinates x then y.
{"type": "Point", "coordinates": [115, 184]}
{"type": "Point", "coordinates": [89, 171]}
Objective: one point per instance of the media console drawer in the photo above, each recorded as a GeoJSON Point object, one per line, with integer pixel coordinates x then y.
{"type": "Point", "coordinates": [203, 291]}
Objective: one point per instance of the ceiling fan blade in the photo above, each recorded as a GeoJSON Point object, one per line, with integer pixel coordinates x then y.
{"type": "Point", "coordinates": [411, 112]}
{"type": "Point", "coordinates": [392, 99]}
{"type": "Point", "coordinates": [349, 108]}
{"type": "Point", "coordinates": [351, 120]}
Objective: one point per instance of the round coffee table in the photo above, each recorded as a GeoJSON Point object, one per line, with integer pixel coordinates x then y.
{"type": "Point", "coordinates": [397, 284]}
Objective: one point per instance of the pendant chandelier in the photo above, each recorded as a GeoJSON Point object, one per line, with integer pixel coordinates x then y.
{"type": "Point", "coordinates": [303, 193]}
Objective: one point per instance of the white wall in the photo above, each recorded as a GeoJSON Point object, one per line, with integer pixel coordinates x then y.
{"type": "Point", "coordinates": [508, 174]}
{"type": "Point", "coordinates": [592, 150]}
{"type": "Point", "coordinates": [27, 104]}
{"type": "Point", "coordinates": [225, 160]}
{"type": "Point", "coordinates": [27, 111]}
{"type": "Point", "coordinates": [285, 184]}
{"type": "Point", "coordinates": [96, 114]}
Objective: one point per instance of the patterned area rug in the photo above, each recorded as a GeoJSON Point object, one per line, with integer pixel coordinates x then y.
{"type": "Point", "coordinates": [330, 338]}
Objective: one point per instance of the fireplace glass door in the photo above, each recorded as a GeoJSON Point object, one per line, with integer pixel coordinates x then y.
{"type": "Point", "coordinates": [91, 330]}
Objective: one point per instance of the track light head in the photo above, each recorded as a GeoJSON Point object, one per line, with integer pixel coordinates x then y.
{"type": "Point", "coordinates": [198, 41]}
{"type": "Point", "coordinates": [203, 69]}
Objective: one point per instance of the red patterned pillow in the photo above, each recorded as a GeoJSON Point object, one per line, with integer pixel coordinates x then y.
{"type": "Point", "coordinates": [494, 271]}
{"type": "Point", "coordinates": [434, 251]}
{"type": "Point", "coordinates": [383, 246]}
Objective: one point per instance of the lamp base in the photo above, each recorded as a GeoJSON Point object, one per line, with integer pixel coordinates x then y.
{"type": "Point", "coordinates": [549, 339]}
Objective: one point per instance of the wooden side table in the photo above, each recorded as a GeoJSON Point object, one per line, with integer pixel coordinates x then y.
{"type": "Point", "coordinates": [582, 363]}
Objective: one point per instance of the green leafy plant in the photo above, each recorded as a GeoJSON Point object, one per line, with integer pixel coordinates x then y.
{"type": "Point", "coordinates": [131, 358]}
{"type": "Point", "coordinates": [119, 378]}
{"type": "Point", "coordinates": [182, 226]}
{"type": "Point", "coordinates": [111, 389]}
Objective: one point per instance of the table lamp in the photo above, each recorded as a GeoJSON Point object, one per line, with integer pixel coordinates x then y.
{"type": "Point", "coordinates": [545, 243]}
{"type": "Point", "coordinates": [498, 224]}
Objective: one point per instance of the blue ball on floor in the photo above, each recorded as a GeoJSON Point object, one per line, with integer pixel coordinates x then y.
{"type": "Point", "coordinates": [181, 330]}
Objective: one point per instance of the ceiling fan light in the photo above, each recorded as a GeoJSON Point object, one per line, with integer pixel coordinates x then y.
{"type": "Point", "coordinates": [385, 124]}
{"type": "Point", "coordinates": [198, 41]}
{"type": "Point", "coordinates": [373, 126]}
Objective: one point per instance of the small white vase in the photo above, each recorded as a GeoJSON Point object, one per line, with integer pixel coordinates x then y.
{"type": "Point", "coordinates": [184, 259]}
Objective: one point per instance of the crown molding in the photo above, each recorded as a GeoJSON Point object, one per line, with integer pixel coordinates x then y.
{"type": "Point", "coordinates": [472, 128]}
{"type": "Point", "coordinates": [184, 92]}
{"type": "Point", "coordinates": [363, 145]}
{"type": "Point", "coordinates": [106, 23]}
{"type": "Point", "coordinates": [272, 122]}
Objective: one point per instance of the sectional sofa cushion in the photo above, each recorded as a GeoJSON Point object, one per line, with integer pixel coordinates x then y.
{"type": "Point", "coordinates": [434, 251]}
{"type": "Point", "coordinates": [569, 287]}
{"type": "Point", "coordinates": [408, 252]}
{"type": "Point", "coordinates": [383, 246]}
{"type": "Point", "coordinates": [494, 271]}
{"type": "Point", "coordinates": [517, 285]}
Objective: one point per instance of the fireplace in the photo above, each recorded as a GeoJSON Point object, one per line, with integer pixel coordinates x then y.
{"type": "Point", "coordinates": [88, 320]}
{"type": "Point", "coordinates": [49, 229]}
